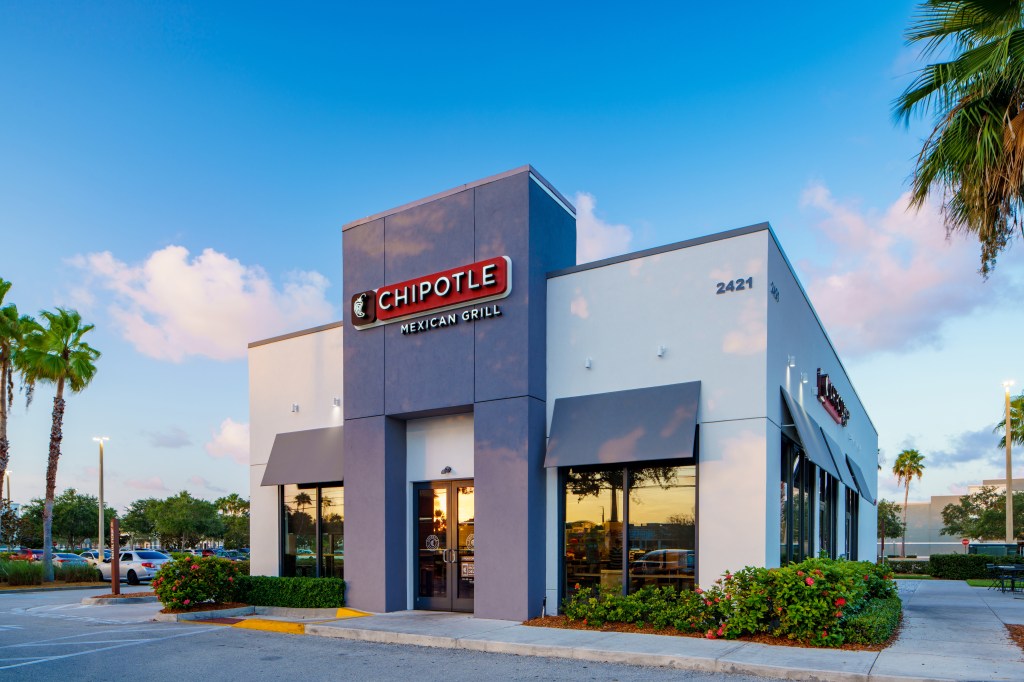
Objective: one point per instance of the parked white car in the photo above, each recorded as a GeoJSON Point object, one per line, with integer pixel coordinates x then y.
{"type": "Point", "coordinates": [137, 565]}
{"type": "Point", "coordinates": [91, 555]}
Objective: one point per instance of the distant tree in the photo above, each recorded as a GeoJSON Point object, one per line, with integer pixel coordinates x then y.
{"type": "Point", "coordinates": [590, 483]}
{"type": "Point", "coordinates": [75, 518]}
{"type": "Point", "coordinates": [140, 519]}
{"type": "Point", "coordinates": [55, 353]}
{"type": "Point", "coordinates": [1016, 423]}
{"type": "Point", "coordinates": [183, 520]}
{"type": "Point", "coordinates": [234, 514]}
{"type": "Point", "coordinates": [889, 523]}
{"type": "Point", "coordinates": [982, 515]}
{"type": "Point", "coordinates": [908, 464]}
{"type": "Point", "coordinates": [8, 524]}
{"type": "Point", "coordinates": [30, 525]}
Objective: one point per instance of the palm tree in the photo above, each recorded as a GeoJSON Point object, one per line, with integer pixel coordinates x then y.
{"type": "Point", "coordinates": [975, 151]}
{"type": "Point", "coordinates": [909, 463]}
{"type": "Point", "coordinates": [55, 353]}
{"type": "Point", "coordinates": [1016, 423]}
{"type": "Point", "coordinates": [12, 330]}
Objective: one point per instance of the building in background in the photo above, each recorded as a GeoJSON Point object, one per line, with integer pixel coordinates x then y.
{"type": "Point", "coordinates": [494, 426]}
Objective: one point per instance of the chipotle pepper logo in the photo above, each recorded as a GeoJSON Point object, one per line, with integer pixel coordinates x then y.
{"type": "Point", "coordinates": [485, 280]}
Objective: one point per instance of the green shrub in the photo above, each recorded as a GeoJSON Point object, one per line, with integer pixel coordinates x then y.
{"type": "Point", "coordinates": [876, 623]}
{"type": "Point", "coordinates": [193, 580]}
{"type": "Point", "coordinates": [76, 573]}
{"type": "Point", "coordinates": [243, 567]}
{"type": "Point", "coordinates": [22, 572]}
{"type": "Point", "coordinates": [908, 567]}
{"type": "Point", "coordinates": [312, 593]}
{"type": "Point", "coordinates": [181, 555]}
{"type": "Point", "coordinates": [964, 566]}
{"type": "Point", "coordinates": [811, 602]}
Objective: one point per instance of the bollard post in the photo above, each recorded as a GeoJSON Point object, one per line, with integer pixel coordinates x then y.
{"type": "Point", "coordinates": [115, 557]}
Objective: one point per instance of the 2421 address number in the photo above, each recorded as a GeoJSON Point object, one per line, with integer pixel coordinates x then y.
{"type": "Point", "coordinates": [735, 285]}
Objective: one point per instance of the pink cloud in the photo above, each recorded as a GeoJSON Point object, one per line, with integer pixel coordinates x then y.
{"type": "Point", "coordinates": [894, 278]}
{"type": "Point", "coordinates": [203, 483]}
{"type": "Point", "coordinates": [173, 306]}
{"type": "Point", "coordinates": [232, 440]}
{"type": "Point", "coordinates": [154, 483]}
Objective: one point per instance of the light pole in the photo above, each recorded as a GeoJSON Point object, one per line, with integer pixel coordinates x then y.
{"type": "Point", "coordinates": [99, 549]}
{"type": "Point", "coordinates": [1009, 470]}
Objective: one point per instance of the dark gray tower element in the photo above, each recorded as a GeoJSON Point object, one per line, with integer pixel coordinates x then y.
{"type": "Point", "coordinates": [495, 368]}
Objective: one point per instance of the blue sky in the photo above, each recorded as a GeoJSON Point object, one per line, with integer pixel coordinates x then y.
{"type": "Point", "coordinates": [162, 163]}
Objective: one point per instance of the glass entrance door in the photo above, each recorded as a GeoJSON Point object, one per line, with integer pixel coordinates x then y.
{"type": "Point", "coordinates": [445, 545]}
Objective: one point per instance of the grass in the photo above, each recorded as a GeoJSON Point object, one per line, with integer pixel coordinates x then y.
{"type": "Point", "coordinates": [912, 576]}
{"type": "Point", "coordinates": [979, 582]}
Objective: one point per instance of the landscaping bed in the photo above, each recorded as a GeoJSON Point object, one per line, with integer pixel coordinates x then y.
{"type": "Point", "coordinates": [125, 595]}
{"type": "Point", "coordinates": [191, 608]}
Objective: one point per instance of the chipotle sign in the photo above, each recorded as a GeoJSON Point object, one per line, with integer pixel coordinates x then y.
{"type": "Point", "coordinates": [485, 280]}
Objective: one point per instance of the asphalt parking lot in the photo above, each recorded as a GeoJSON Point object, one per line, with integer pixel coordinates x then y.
{"type": "Point", "coordinates": [50, 636]}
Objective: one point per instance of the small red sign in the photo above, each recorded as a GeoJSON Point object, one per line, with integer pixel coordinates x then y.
{"type": "Point", "coordinates": [477, 282]}
{"type": "Point", "coordinates": [965, 542]}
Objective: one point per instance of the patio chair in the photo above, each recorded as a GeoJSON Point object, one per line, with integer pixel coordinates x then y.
{"type": "Point", "coordinates": [997, 577]}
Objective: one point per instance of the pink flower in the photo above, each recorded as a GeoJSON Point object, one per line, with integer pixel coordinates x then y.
{"type": "Point", "coordinates": [710, 634]}
{"type": "Point", "coordinates": [174, 589]}
{"type": "Point", "coordinates": [809, 580]}
{"type": "Point", "coordinates": [839, 614]}
{"type": "Point", "coordinates": [230, 579]}
{"type": "Point", "coordinates": [195, 567]}
{"type": "Point", "coordinates": [728, 576]}
{"type": "Point", "coordinates": [698, 590]}
{"type": "Point", "coordinates": [717, 600]}
{"type": "Point", "coordinates": [800, 573]}
{"type": "Point", "coordinates": [707, 602]}
{"type": "Point", "coordinates": [187, 602]}
{"type": "Point", "coordinates": [721, 630]}
{"type": "Point", "coordinates": [841, 601]}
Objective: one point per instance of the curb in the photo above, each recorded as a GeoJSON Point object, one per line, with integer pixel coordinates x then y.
{"type": "Point", "coordinates": [710, 664]}
{"type": "Point", "coordinates": [103, 601]}
{"type": "Point", "coordinates": [31, 590]}
{"type": "Point", "coordinates": [202, 615]}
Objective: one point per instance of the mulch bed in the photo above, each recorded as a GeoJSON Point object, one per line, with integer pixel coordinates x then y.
{"type": "Point", "coordinates": [206, 607]}
{"type": "Point", "coordinates": [1016, 634]}
{"type": "Point", "coordinates": [125, 595]}
{"type": "Point", "coordinates": [566, 624]}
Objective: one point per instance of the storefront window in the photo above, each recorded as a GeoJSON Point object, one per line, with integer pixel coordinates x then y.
{"type": "Point", "coordinates": [827, 513]}
{"type": "Point", "coordinates": [312, 526]}
{"type": "Point", "coordinates": [852, 513]}
{"type": "Point", "coordinates": [796, 524]}
{"type": "Point", "coordinates": [654, 516]}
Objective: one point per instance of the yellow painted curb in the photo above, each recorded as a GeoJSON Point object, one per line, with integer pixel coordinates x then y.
{"type": "Point", "coordinates": [345, 612]}
{"type": "Point", "coordinates": [271, 626]}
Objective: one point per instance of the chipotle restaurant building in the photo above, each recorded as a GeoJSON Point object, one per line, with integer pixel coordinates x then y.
{"type": "Point", "coordinates": [493, 424]}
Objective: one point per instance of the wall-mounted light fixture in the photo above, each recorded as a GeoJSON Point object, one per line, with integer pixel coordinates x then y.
{"type": "Point", "coordinates": [337, 401]}
{"type": "Point", "coordinates": [588, 364]}
{"type": "Point", "coordinates": [661, 351]}
{"type": "Point", "coordinates": [791, 360]}
{"type": "Point", "coordinates": [295, 407]}
{"type": "Point", "coordinates": [446, 470]}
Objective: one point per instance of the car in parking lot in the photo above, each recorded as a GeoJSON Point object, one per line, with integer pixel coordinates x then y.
{"type": "Point", "coordinates": [68, 559]}
{"type": "Point", "coordinates": [136, 565]}
{"type": "Point", "coordinates": [91, 555]}
{"type": "Point", "coordinates": [26, 554]}
{"type": "Point", "coordinates": [661, 562]}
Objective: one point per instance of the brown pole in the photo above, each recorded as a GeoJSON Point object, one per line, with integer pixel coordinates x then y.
{"type": "Point", "coordinates": [115, 557]}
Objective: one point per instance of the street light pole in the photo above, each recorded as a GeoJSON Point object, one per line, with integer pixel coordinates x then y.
{"type": "Point", "coordinates": [99, 549]}
{"type": "Point", "coordinates": [1009, 470]}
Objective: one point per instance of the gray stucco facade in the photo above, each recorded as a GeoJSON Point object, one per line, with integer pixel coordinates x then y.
{"type": "Point", "coordinates": [494, 369]}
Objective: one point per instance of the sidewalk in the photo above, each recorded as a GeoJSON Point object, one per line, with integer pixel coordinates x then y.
{"type": "Point", "coordinates": [951, 632]}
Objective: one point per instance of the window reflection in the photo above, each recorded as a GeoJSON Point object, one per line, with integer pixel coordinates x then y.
{"type": "Point", "coordinates": [309, 512]}
{"type": "Point", "coordinates": [332, 532]}
{"type": "Point", "coordinates": [593, 529]}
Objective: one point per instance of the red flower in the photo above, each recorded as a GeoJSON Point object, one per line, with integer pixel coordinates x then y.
{"type": "Point", "coordinates": [809, 580]}
{"type": "Point", "coordinates": [584, 621]}
{"type": "Point", "coordinates": [717, 600]}
{"type": "Point", "coordinates": [707, 602]}
{"type": "Point", "coordinates": [187, 602]}
{"type": "Point", "coordinates": [865, 577]}
{"type": "Point", "coordinates": [174, 589]}
{"type": "Point", "coordinates": [800, 573]}
{"type": "Point", "coordinates": [841, 601]}
{"type": "Point", "coordinates": [230, 579]}
{"type": "Point", "coordinates": [728, 576]}
{"type": "Point", "coordinates": [195, 567]}
{"type": "Point", "coordinates": [721, 630]}
{"type": "Point", "coordinates": [698, 590]}
{"type": "Point", "coordinates": [710, 634]}
{"type": "Point", "coordinates": [824, 634]}
{"type": "Point", "coordinates": [839, 614]}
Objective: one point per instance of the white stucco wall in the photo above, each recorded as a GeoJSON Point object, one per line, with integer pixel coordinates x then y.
{"type": "Point", "coordinates": [305, 369]}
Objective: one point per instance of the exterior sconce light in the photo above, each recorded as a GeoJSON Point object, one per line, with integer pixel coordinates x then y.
{"type": "Point", "coordinates": [661, 351]}
{"type": "Point", "coordinates": [588, 364]}
{"type": "Point", "coordinates": [791, 360]}
{"type": "Point", "coordinates": [337, 401]}
{"type": "Point", "coordinates": [295, 407]}
{"type": "Point", "coordinates": [446, 470]}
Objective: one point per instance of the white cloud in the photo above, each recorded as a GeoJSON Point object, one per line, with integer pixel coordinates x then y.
{"type": "Point", "coordinates": [596, 239]}
{"type": "Point", "coordinates": [172, 306]}
{"type": "Point", "coordinates": [203, 483]}
{"type": "Point", "coordinates": [232, 440]}
{"type": "Point", "coordinates": [173, 438]}
{"type": "Point", "coordinates": [894, 278]}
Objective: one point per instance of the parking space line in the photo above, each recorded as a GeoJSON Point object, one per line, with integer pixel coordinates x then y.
{"type": "Point", "coordinates": [108, 648]}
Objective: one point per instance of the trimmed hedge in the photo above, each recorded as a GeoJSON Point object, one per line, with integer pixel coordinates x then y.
{"type": "Point", "coordinates": [908, 567]}
{"type": "Point", "coordinates": [876, 623]}
{"type": "Point", "coordinates": [301, 593]}
{"type": "Point", "coordinates": [965, 566]}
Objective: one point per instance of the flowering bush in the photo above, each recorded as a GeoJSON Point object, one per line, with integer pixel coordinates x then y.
{"type": "Point", "coordinates": [189, 581]}
{"type": "Point", "coordinates": [817, 601]}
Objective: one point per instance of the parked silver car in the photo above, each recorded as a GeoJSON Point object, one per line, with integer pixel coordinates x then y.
{"type": "Point", "coordinates": [68, 559]}
{"type": "Point", "coordinates": [91, 555]}
{"type": "Point", "coordinates": [136, 565]}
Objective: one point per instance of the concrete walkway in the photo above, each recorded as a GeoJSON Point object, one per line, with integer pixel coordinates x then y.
{"type": "Point", "coordinates": [951, 632]}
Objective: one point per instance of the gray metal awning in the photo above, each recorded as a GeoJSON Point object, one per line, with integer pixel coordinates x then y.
{"type": "Point", "coordinates": [312, 456]}
{"type": "Point", "coordinates": [811, 436]}
{"type": "Point", "coordinates": [619, 427]}
{"type": "Point", "coordinates": [862, 481]}
{"type": "Point", "coordinates": [837, 453]}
